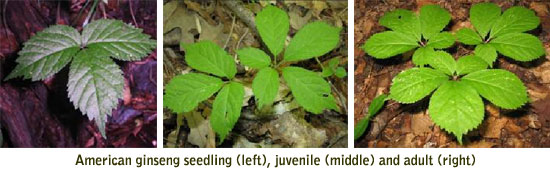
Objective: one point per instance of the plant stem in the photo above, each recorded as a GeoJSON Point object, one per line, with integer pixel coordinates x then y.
{"type": "Point", "coordinates": [319, 62]}
{"type": "Point", "coordinates": [279, 64]}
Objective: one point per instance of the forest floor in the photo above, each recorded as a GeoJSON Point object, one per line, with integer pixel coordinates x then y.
{"type": "Point", "coordinates": [39, 114]}
{"type": "Point", "coordinates": [192, 21]}
{"type": "Point", "coordinates": [409, 125]}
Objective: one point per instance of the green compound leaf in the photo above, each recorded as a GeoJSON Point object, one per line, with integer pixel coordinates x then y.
{"type": "Point", "coordinates": [444, 62]}
{"type": "Point", "coordinates": [375, 106]}
{"type": "Point", "coordinates": [483, 17]}
{"type": "Point", "coordinates": [468, 36]}
{"type": "Point", "coordinates": [184, 92]}
{"type": "Point", "coordinates": [416, 83]}
{"type": "Point", "coordinates": [514, 20]}
{"type": "Point", "coordinates": [254, 58]}
{"type": "Point", "coordinates": [208, 57]}
{"type": "Point", "coordinates": [95, 85]}
{"type": "Point", "coordinates": [310, 90]}
{"type": "Point", "coordinates": [387, 44]}
{"type": "Point", "coordinates": [501, 87]}
{"type": "Point", "coordinates": [519, 46]}
{"type": "Point", "coordinates": [47, 52]}
{"type": "Point", "coordinates": [470, 63]}
{"type": "Point", "coordinates": [441, 40]}
{"type": "Point", "coordinates": [403, 21]}
{"type": "Point", "coordinates": [457, 108]}
{"type": "Point", "coordinates": [273, 25]}
{"type": "Point", "coordinates": [122, 41]}
{"type": "Point", "coordinates": [486, 52]}
{"type": "Point", "coordinates": [226, 109]}
{"type": "Point", "coordinates": [433, 19]}
{"type": "Point", "coordinates": [313, 40]}
{"type": "Point", "coordinates": [423, 56]}
{"type": "Point", "coordinates": [265, 86]}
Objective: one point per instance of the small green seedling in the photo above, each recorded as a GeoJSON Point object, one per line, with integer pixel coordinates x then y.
{"type": "Point", "coordinates": [375, 106]}
{"type": "Point", "coordinates": [456, 105]}
{"type": "Point", "coordinates": [95, 81]}
{"type": "Point", "coordinates": [334, 69]}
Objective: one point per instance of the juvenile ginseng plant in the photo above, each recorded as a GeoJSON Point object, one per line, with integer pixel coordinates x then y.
{"type": "Point", "coordinates": [456, 105]}
{"type": "Point", "coordinates": [95, 81]}
{"type": "Point", "coordinates": [311, 91]}
{"type": "Point", "coordinates": [315, 39]}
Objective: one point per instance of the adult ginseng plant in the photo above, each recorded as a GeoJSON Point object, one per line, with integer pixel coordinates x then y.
{"type": "Point", "coordinates": [95, 81]}
{"type": "Point", "coordinates": [311, 91]}
{"type": "Point", "coordinates": [456, 105]}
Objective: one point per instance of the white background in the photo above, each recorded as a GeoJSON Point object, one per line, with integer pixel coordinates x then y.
{"type": "Point", "coordinates": [62, 161]}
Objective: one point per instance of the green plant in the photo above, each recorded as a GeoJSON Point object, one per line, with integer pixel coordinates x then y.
{"type": "Point", "coordinates": [95, 81]}
{"type": "Point", "coordinates": [411, 31]}
{"type": "Point", "coordinates": [332, 68]}
{"type": "Point", "coordinates": [503, 33]}
{"type": "Point", "coordinates": [456, 105]}
{"type": "Point", "coordinates": [375, 106]}
{"type": "Point", "coordinates": [184, 92]}
{"type": "Point", "coordinates": [315, 39]}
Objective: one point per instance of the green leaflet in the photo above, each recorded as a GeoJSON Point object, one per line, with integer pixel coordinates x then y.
{"type": "Point", "coordinates": [501, 87]}
{"type": "Point", "coordinates": [95, 85]}
{"type": "Point", "coordinates": [227, 109]}
{"type": "Point", "coordinates": [444, 62]}
{"type": "Point", "coordinates": [313, 40]}
{"type": "Point", "coordinates": [423, 56]}
{"type": "Point", "coordinates": [403, 21]}
{"type": "Point", "coordinates": [486, 52]}
{"type": "Point", "coordinates": [375, 106]}
{"type": "Point", "coordinates": [469, 64]}
{"type": "Point", "coordinates": [208, 57]}
{"type": "Point", "coordinates": [265, 86]}
{"type": "Point", "coordinates": [441, 40]}
{"type": "Point", "coordinates": [122, 41]}
{"type": "Point", "coordinates": [414, 84]}
{"type": "Point", "coordinates": [515, 20]}
{"type": "Point", "coordinates": [519, 46]}
{"type": "Point", "coordinates": [273, 25]}
{"type": "Point", "coordinates": [46, 53]}
{"type": "Point", "coordinates": [340, 72]}
{"type": "Point", "coordinates": [310, 90]}
{"type": "Point", "coordinates": [457, 108]}
{"type": "Point", "coordinates": [387, 44]}
{"type": "Point", "coordinates": [483, 17]}
{"type": "Point", "coordinates": [254, 58]}
{"type": "Point", "coordinates": [468, 36]}
{"type": "Point", "coordinates": [184, 92]}
{"type": "Point", "coordinates": [433, 19]}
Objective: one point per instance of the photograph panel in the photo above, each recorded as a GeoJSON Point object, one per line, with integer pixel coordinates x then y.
{"type": "Point", "coordinates": [255, 74]}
